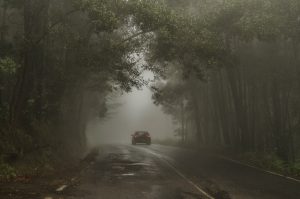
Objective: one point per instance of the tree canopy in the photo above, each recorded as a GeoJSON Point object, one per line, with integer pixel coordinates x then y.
{"type": "Point", "coordinates": [235, 62]}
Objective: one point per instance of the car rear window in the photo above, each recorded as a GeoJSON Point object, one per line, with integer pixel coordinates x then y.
{"type": "Point", "coordinates": [141, 133]}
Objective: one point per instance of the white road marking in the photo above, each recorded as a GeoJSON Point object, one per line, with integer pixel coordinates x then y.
{"type": "Point", "coordinates": [181, 174]}
{"type": "Point", "coordinates": [61, 188]}
{"type": "Point", "coordinates": [250, 166]}
{"type": "Point", "coordinates": [256, 168]}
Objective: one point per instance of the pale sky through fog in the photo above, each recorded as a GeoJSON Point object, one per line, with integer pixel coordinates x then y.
{"type": "Point", "coordinates": [136, 111]}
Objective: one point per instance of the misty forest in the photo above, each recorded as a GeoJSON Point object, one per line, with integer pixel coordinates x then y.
{"type": "Point", "coordinates": [226, 71]}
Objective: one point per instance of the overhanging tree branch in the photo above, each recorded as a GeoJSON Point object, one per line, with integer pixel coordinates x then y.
{"type": "Point", "coordinates": [135, 35]}
{"type": "Point", "coordinates": [55, 24]}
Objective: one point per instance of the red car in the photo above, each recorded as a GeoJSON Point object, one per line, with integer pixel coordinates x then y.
{"type": "Point", "coordinates": [141, 137]}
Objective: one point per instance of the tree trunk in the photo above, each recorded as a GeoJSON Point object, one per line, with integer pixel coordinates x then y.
{"type": "Point", "coordinates": [29, 75]}
{"type": "Point", "coordinates": [3, 23]}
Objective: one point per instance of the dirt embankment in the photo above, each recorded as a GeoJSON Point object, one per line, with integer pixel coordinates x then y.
{"type": "Point", "coordinates": [48, 182]}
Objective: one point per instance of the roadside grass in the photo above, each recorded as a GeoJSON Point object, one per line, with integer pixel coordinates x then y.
{"type": "Point", "coordinates": [271, 162]}
{"type": "Point", "coordinates": [35, 176]}
{"type": "Point", "coordinates": [7, 172]}
{"type": "Point", "coordinates": [40, 163]}
{"type": "Point", "coordinates": [21, 156]}
{"type": "Point", "coordinates": [27, 167]}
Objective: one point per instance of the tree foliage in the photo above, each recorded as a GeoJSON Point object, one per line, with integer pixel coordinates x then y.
{"type": "Point", "coordinates": [235, 62]}
{"type": "Point", "coordinates": [250, 100]}
{"type": "Point", "coordinates": [62, 58]}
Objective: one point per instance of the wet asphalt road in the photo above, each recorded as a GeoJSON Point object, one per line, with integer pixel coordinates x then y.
{"type": "Point", "coordinates": [163, 172]}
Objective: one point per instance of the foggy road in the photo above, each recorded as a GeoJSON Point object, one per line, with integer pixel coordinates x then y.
{"type": "Point", "coordinates": [163, 172]}
{"type": "Point", "coordinates": [80, 77]}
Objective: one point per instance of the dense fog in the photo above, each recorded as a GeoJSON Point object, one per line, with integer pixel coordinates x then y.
{"type": "Point", "coordinates": [135, 111]}
{"type": "Point", "coordinates": [220, 78]}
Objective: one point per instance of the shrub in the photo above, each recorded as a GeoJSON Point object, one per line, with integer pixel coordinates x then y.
{"type": "Point", "coordinates": [7, 172]}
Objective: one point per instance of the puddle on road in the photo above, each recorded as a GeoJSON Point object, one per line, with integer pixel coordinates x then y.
{"type": "Point", "coordinates": [139, 164]}
{"type": "Point", "coordinates": [117, 166]}
{"type": "Point", "coordinates": [127, 166]}
{"type": "Point", "coordinates": [127, 174]}
{"type": "Point", "coordinates": [119, 169]}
